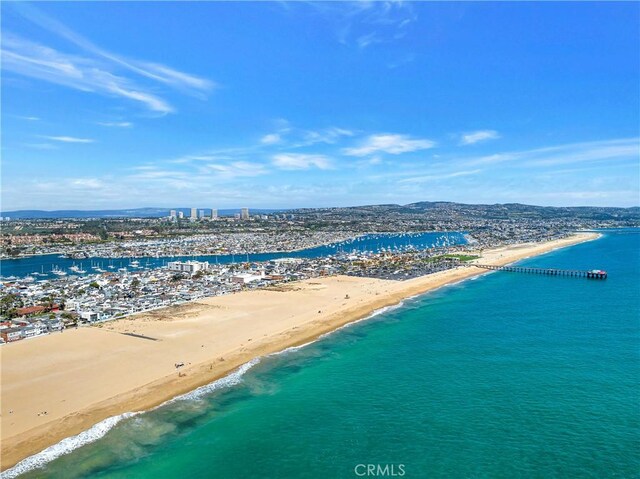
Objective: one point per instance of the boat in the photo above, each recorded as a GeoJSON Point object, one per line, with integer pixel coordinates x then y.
{"type": "Point", "coordinates": [58, 272]}
{"type": "Point", "coordinates": [77, 269]}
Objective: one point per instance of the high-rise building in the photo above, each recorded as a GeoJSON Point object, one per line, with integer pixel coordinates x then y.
{"type": "Point", "coordinates": [172, 214]}
{"type": "Point", "coordinates": [194, 214]}
{"type": "Point", "coordinates": [214, 214]}
{"type": "Point", "coordinates": [244, 214]}
{"type": "Point", "coordinates": [180, 214]}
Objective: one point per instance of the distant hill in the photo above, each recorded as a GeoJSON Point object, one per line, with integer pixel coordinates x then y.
{"type": "Point", "coordinates": [431, 208]}
{"type": "Point", "coordinates": [444, 209]}
{"type": "Point", "coordinates": [515, 210]}
{"type": "Point", "coordinates": [126, 213]}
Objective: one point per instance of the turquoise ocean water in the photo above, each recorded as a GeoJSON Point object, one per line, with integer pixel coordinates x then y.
{"type": "Point", "coordinates": [505, 376]}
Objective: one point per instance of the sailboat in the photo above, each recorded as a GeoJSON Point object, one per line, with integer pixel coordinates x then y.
{"type": "Point", "coordinates": [58, 272]}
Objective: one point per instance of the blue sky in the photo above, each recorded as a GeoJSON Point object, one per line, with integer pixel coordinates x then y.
{"type": "Point", "coordinates": [132, 104]}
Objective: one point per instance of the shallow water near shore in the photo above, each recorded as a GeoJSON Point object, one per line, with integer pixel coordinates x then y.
{"type": "Point", "coordinates": [509, 375]}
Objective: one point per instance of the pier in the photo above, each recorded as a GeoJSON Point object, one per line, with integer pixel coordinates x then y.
{"type": "Point", "coordinates": [589, 274]}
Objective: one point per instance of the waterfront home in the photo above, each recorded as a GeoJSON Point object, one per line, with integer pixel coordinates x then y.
{"type": "Point", "coordinates": [88, 316]}
{"type": "Point", "coordinates": [54, 324]}
{"type": "Point", "coordinates": [30, 331]}
{"type": "Point", "coordinates": [245, 278]}
{"type": "Point", "coordinates": [11, 334]}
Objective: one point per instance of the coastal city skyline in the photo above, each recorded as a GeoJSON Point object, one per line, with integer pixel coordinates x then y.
{"type": "Point", "coordinates": [374, 103]}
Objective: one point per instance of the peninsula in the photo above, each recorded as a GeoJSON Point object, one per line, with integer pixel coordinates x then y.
{"type": "Point", "coordinates": [64, 383]}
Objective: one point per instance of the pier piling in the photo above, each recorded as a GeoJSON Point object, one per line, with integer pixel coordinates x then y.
{"type": "Point", "coordinates": [589, 274]}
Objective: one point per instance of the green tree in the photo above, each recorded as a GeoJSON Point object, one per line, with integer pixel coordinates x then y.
{"type": "Point", "coordinates": [9, 303]}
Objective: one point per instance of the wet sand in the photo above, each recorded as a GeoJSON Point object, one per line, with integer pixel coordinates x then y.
{"type": "Point", "coordinates": [57, 386]}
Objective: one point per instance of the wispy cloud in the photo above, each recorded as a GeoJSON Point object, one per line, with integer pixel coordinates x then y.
{"type": "Point", "coordinates": [592, 151]}
{"type": "Point", "coordinates": [328, 135]}
{"type": "Point", "coordinates": [81, 73]}
{"type": "Point", "coordinates": [301, 161]}
{"type": "Point", "coordinates": [389, 143]}
{"type": "Point", "coordinates": [41, 146]}
{"type": "Point", "coordinates": [28, 118]}
{"type": "Point", "coordinates": [87, 182]}
{"type": "Point", "coordinates": [95, 70]}
{"type": "Point", "coordinates": [69, 139]}
{"type": "Point", "coordinates": [445, 176]}
{"type": "Point", "coordinates": [478, 136]}
{"type": "Point", "coordinates": [365, 40]}
{"type": "Point", "coordinates": [271, 139]}
{"type": "Point", "coordinates": [235, 169]}
{"type": "Point", "coordinates": [116, 124]}
{"type": "Point", "coordinates": [293, 137]}
{"type": "Point", "coordinates": [365, 23]}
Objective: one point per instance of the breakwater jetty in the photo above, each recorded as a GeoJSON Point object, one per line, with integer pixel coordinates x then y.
{"type": "Point", "coordinates": [576, 273]}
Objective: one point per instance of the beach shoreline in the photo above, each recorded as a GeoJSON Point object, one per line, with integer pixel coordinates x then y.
{"type": "Point", "coordinates": [132, 366]}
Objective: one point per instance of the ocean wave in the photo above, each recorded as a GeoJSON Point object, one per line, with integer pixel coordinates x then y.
{"type": "Point", "coordinates": [377, 312]}
{"type": "Point", "coordinates": [65, 446]}
{"type": "Point", "coordinates": [100, 429]}
{"type": "Point", "coordinates": [292, 349]}
{"type": "Point", "coordinates": [229, 380]}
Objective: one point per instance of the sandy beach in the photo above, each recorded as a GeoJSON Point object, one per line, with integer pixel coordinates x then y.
{"type": "Point", "coordinates": [56, 386]}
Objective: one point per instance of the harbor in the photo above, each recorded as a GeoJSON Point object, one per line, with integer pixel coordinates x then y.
{"type": "Point", "coordinates": [57, 265]}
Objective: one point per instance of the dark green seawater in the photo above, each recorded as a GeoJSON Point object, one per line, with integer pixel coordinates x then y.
{"type": "Point", "coordinates": [505, 376]}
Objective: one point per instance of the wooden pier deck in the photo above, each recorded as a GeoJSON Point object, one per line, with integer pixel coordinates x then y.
{"type": "Point", "coordinates": [576, 273]}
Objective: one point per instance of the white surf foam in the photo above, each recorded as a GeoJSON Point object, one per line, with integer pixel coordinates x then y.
{"type": "Point", "coordinates": [291, 349]}
{"type": "Point", "coordinates": [102, 428]}
{"type": "Point", "coordinates": [377, 312]}
{"type": "Point", "coordinates": [227, 381]}
{"type": "Point", "coordinates": [65, 446]}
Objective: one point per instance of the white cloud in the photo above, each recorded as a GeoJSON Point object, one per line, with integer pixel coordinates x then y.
{"type": "Point", "coordinates": [591, 151]}
{"type": "Point", "coordinates": [235, 169]}
{"type": "Point", "coordinates": [87, 182]}
{"type": "Point", "coordinates": [151, 70]}
{"type": "Point", "coordinates": [69, 139]}
{"type": "Point", "coordinates": [365, 40]}
{"type": "Point", "coordinates": [116, 124]}
{"type": "Point", "coordinates": [271, 139]}
{"type": "Point", "coordinates": [328, 135]}
{"type": "Point", "coordinates": [300, 161]}
{"type": "Point", "coordinates": [389, 143]}
{"type": "Point", "coordinates": [477, 136]}
{"type": "Point", "coordinates": [95, 70]}
{"type": "Point", "coordinates": [80, 73]}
